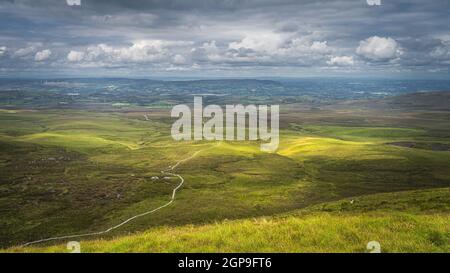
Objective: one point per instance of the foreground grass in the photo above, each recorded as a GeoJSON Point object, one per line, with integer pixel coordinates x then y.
{"type": "Point", "coordinates": [340, 226]}
{"type": "Point", "coordinates": [320, 232]}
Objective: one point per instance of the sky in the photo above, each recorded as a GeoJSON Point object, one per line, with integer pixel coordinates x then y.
{"type": "Point", "coordinates": [229, 38]}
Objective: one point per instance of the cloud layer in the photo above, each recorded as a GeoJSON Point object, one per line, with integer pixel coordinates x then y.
{"type": "Point", "coordinates": [265, 37]}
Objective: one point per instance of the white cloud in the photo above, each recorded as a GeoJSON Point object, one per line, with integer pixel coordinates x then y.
{"type": "Point", "coordinates": [2, 50]}
{"type": "Point", "coordinates": [42, 55]}
{"type": "Point", "coordinates": [73, 2]}
{"type": "Point", "coordinates": [262, 42]}
{"type": "Point", "coordinates": [379, 49]}
{"type": "Point", "coordinates": [75, 56]}
{"type": "Point", "coordinates": [275, 43]}
{"type": "Point", "coordinates": [142, 51]}
{"type": "Point", "coordinates": [178, 59]}
{"type": "Point", "coordinates": [210, 47]}
{"type": "Point", "coordinates": [23, 52]}
{"type": "Point", "coordinates": [341, 60]}
{"type": "Point", "coordinates": [267, 48]}
{"type": "Point", "coordinates": [208, 51]}
{"type": "Point", "coordinates": [320, 47]}
{"type": "Point", "coordinates": [441, 53]}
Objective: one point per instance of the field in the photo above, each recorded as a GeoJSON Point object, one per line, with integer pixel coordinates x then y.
{"type": "Point", "coordinates": [340, 178]}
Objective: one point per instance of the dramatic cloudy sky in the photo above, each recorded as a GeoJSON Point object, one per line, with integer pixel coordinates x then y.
{"type": "Point", "coordinates": [224, 38]}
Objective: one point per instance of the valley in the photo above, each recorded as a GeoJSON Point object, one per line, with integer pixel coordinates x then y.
{"type": "Point", "coordinates": [75, 171]}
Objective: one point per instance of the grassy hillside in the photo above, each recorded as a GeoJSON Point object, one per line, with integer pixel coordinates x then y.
{"type": "Point", "coordinates": [86, 171]}
{"type": "Point", "coordinates": [411, 221]}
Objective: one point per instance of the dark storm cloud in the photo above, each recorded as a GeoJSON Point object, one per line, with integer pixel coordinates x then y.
{"type": "Point", "coordinates": [183, 36]}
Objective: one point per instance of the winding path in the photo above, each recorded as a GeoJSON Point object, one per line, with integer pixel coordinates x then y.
{"type": "Point", "coordinates": [167, 171]}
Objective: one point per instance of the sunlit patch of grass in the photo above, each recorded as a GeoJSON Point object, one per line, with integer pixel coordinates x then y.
{"type": "Point", "coordinates": [306, 146]}
{"type": "Point", "coordinates": [76, 141]}
{"type": "Point", "coordinates": [8, 111]}
{"type": "Point", "coordinates": [360, 133]}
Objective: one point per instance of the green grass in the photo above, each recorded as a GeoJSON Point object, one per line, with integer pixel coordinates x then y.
{"type": "Point", "coordinates": [400, 222]}
{"type": "Point", "coordinates": [361, 132]}
{"type": "Point", "coordinates": [86, 171]}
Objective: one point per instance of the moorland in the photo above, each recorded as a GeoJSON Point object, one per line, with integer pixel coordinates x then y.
{"type": "Point", "coordinates": [82, 156]}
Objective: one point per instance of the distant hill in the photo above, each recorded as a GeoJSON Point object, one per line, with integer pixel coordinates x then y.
{"type": "Point", "coordinates": [421, 100]}
{"type": "Point", "coordinates": [433, 101]}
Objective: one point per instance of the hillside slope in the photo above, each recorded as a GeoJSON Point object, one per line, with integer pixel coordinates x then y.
{"type": "Point", "coordinates": [410, 221]}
